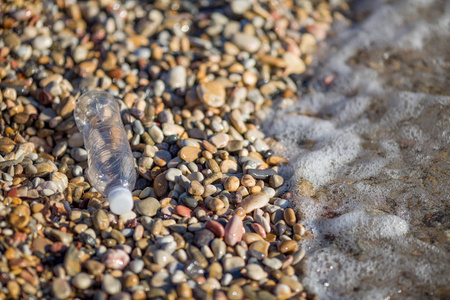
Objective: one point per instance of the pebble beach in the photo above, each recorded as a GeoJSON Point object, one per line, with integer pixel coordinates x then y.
{"type": "Point", "coordinates": [212, 217]}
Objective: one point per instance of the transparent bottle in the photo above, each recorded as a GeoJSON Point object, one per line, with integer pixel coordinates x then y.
{"type": "Point", "coordinates": [110, 161]}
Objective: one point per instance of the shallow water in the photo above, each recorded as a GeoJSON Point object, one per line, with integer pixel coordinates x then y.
{"type": "Point", "coordinates": [373, 139]}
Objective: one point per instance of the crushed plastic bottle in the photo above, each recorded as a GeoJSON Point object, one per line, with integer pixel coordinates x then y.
{"type": "Point", "coordinates": [110, 161]}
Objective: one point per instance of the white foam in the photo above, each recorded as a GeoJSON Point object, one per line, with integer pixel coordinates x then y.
{"type": "Point", "coordinates": [378, 160]}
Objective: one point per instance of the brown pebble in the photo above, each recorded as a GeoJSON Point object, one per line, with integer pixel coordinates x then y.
{"type": "Point", "coordinates": [288, 246]}
{"type": "Point", "coordinates": [189, 153]}
{"type": "Point", "coordinates": [289, 217]}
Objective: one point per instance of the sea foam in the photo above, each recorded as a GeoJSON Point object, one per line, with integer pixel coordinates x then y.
{"type": "Point", "coordinates": [374, 144]}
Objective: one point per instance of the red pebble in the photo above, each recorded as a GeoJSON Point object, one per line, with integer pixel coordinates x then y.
{"type": "Point", "coordinates": [12, 193]}
{"type": "Point", "coordinates": [183, 211]}
{"type": "Point", "coordinates": [216, 228]}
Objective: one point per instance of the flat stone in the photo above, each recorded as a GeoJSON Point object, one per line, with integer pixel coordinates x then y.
{"type": "Point", "coordinates": [111, 285]}
{"type": "Point", "coordinates": [211, 94]}
{"type": "Point", "coordinates": [233, 264]}
{"type": "Point", "coordinates": [220, 140]}
{"type": "Point", "coordinates": [259, 249]}
{"type": "Point", "coordinates": [82, 281]}
{"type": "Point", "coordinates": [255, 272]}
{"type": "Point", "coordinates": [203, 238]}
{"type": "Point", "coordinates": [246, 42]}
{"type": "Point", "coordinates": [254, 201]}
{"type": "Point", "coordinates": [261, 174]}
{"type": "Point", "coordinates": [148, 207]}
{"type": "Point", "coordinates": [189, 154]}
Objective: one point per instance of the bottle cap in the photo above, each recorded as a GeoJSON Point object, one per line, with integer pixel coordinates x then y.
{"type": "Point", "coordinates": [120, 200]}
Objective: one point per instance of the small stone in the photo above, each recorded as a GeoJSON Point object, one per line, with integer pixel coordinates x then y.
{"type": "Point", "coordinates": [273, 263]}
{"type": "Point", "coordinates": [163, 258]}
{"type": "Point", "coordinates": [231, 184]}
{"type": "Point", "coordinates": [219, 248]}
{"type": "Point", "coordinates": [203, 238]}
{"type": "Point", "coordinates": [60, 179]}
{"type": "Point", "coordinates": [255, 272]}
{"type": "Point", "coordinates": [182, 211]}
{"type": "Point", "coordinates": [254, 201]}
{"type": "Point", "coordinates": [82, 281]}
{"type": "Point", "coordinates": [294, 64]}
{"type": "Point", "coordinates": [259, 249]}
{"type": "Point", "coordinates": [189, 153]}
{"type": "Point", "coordinates": [289, 217]}
{"type": "Point", "coordinates": [176, 78]}
{"type": "Point", "coordinates": [235, 292]}
{"type": "Point", "coordinates": [212, 93]}
{"type": "Point", "coordinates": [196, 188]}
{"type": "Point", "coordinates": [94, 267]}
{"type": "Point", "coordinates": [294, 285]}
{"type": "Point", "coordinates": [282, 291]}
{"type": "Point", "coordinates": [111, 285]}
{"type": "Point", "coordinates": [234, 231]}
{"type": "Point", "coordinates": [305, 188]}
{"type": "Point", "coordinates": [131, 280]}
{"type": "Point", "coordinates": [61, 289]}
{"type": "Point", "coordinates": [100, 219]}
{"type": "Point", "coordinates": [233, 264]}
{"type": "Point", "coordinates": [288, 246]}
{"type": "Point", "coordinates": [42, 42]}
{"type": "Point", "coordinates": [261, 174]}
{"type": "Point", "coordinates": [116, 259]}
{"type": "Point", "coordinates": [220, 140]}
{"type": "Point", "coordinates": [246, 42]}
{"type": "Point", "coordinates": [160, 185]}
{"type": "Point", "coordinates": [148, 207]}
{"type": "Point", "coordinates": [276, 181]}
{"type": "Point", "coordinates": [162, 158]}
{"type": "Point", "coordinates": [72, 261]}
{"type": "Point", "coordinates": [173, 174]}
{"type": "Point", "coordinates": [216, 228]}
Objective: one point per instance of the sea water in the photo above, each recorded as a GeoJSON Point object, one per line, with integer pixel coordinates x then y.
{"type": "Point", "coordinates": [374, 140]}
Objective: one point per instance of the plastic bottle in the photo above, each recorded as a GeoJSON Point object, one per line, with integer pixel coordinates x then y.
{"type": "Point", "coordinates": [110, 161]}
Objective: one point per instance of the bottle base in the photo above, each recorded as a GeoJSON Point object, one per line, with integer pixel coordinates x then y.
{"type": "Point", "coordinates": [120, 200]}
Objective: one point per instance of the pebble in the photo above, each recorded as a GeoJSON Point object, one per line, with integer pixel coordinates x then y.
{"type": "Point", "coordinates": [255, 272]}
{"type": "Point", "coordinates": [234, 231]}
{"type": "Point", "coordinates": [212, 94]}
{"type": "Point", "coordinates": [246, 42]}
{"type": "Point", "coordinates": [189, 153]}
{"type": "Point", "coordinates": [177, 78]}
{"type": "Point", "coordinates": [111, 285]}
{"type": "Point", "coordinates": [233, 264]}
{"type": "Point", "coordinates": [61, 289]}
{"type": "Point", "coordinates": [254, 201]}
{"type": "Point", "coordinates": [82, 281]}
{"type": "Point", "coordinates": [116, 259]}
{"type": "Point", "coordinates": [163, 258]}
{"type": "Point", "coordinates": [148, 207]}
{"type": "Point", "coordinates": [203, 237]}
